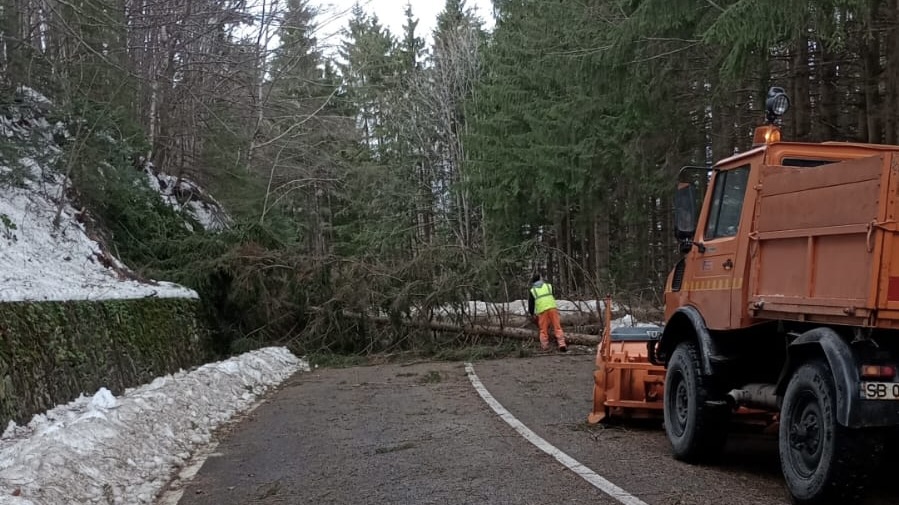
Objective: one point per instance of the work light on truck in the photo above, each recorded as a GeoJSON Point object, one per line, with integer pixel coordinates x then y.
{"type": "Point", "coordinates": [778, 103]}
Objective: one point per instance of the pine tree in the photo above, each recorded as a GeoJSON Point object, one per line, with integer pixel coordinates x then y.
{"type": "Point", "coordinates": [411, 48]}
{"type": "Point", "coordinates": [367, 53]}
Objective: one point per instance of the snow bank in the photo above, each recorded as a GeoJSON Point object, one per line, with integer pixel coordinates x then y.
{"type": "Point", "coordinates": [104, 449]}
{"type": "Point", "coordinates": [40, 260]}
{"type": "Point", "coordinates": [572, 312]}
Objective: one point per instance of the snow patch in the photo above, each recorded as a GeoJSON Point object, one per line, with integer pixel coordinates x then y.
{"type": "Point", "coordinates": [46, 253]}
{"type": "Point", "coordinates": [124, 450]}
{"type": "Point", "coordinates": [33, 96]}
{"type": "Point", "coordinates": [103, 399]}
{"type": "Point", "coordinates": [629, 321]}
{"type": "Point", "coordinates": [185, 195]}
{"type": "Point", "coordinates": [43, 262]}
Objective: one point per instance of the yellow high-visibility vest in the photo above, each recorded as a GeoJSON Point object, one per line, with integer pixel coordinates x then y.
{"type": "Point", "coordinates": [543, 298]}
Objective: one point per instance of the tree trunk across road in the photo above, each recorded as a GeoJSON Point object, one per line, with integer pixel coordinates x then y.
{"type": "Point", "coordinates": [480, 329]}
{"type": "Point", "coordinates": [498, 331]}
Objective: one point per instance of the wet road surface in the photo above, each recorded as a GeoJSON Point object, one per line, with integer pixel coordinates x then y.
{"type": "Point", "coordinates": [421, 434]}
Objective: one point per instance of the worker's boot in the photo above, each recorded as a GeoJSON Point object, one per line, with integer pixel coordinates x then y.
{"type": "Point", "coordinates": [563, 347]}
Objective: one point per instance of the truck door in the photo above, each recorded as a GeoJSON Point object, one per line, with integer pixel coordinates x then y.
{"type": "Point", "coordinates": [714, 260]}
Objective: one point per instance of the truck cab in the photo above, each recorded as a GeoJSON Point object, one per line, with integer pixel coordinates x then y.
{"type": "Point", "coordinates": [786, 301]}
{"type": "Point", "coordinates": [717, 274]}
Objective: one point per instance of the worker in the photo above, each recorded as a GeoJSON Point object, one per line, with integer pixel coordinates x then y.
{"type": "Point", "coordinates": [542, 303]}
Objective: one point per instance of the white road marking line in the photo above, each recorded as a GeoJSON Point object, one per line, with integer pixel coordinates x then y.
{"type": "Point", "coordinates": [572, 464]}
{"type": "Point", "coordinates": [174, 490]}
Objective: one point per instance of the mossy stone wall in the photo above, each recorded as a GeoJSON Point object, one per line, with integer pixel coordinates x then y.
{"type": "Point", "coordinates": [51, 352]}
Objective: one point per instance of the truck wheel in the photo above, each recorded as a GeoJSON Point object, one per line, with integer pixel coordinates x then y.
{"type": "Point", "coordinates": [697, 430]}
{"type": "Point", "coordinates": [823, 463]}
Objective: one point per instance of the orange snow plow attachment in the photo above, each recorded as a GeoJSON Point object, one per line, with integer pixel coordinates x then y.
{"type": "Point", "coordinates": [626, 384]}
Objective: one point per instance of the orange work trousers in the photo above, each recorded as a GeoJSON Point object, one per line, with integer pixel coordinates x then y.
{"type": "Point", "coordinates": [544, 319]}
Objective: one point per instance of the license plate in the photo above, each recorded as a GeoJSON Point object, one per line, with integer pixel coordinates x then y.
{"type": "Point", "coordinates": [880, 390]}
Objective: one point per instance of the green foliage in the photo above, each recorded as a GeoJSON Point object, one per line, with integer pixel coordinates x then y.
{"type": "Point", "coordinates": [108, 179]}
{"type": "Point", "coordinates": [238, 295]}
{"type": "Point", "coordinates": [17, 174]}
{"type": "Point", "coordinates": [103, 161]}
{"type": "Point", "coordinates": [548, 142]}
{"type": "Point", "coordinates": [9, 227]}
{"type": "Point", "coordinates": [50, 352]}
{"type": "Point", "coordinates": [249, 280]}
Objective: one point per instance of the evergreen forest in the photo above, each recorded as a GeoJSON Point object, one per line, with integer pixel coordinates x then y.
{"type": "Point", "coordinates": [402, 172]}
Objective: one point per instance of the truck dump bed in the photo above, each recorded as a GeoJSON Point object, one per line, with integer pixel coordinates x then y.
{"type": "Point", "coordinates": [822, 243]}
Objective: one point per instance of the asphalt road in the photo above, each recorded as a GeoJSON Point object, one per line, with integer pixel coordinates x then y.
{"type": "Point", "coordinates": [421, 434]}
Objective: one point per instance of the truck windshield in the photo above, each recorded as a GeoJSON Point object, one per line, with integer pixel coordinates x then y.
{"type": "Point", "coordinates": [727, 203]}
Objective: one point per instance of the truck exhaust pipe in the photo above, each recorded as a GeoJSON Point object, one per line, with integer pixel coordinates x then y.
{"type": "Point", "coordinates": [761, 396]}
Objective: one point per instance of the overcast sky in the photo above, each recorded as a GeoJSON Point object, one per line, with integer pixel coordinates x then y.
{"type": "Point", "coordinates": [336, 13]}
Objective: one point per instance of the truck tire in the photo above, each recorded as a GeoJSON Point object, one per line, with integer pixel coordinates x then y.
{"type": "Point", "coordinates": [823, 463]}
{"type": "Point", "coordinates": [696, 429]}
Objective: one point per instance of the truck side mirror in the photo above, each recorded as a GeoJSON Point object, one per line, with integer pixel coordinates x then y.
{"type": "Point", "coordinates": [685, 212]}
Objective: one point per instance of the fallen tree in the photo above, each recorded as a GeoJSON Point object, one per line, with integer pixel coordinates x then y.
{"type": "Point", "coordinates": [514, 313]}
{"type": "Point", "coordinates": [499, 331]}
{"type": "Point", "coordinates": [470, 329]}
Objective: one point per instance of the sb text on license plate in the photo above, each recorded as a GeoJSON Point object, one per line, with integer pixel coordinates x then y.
{"type": "Point", "coordinates": [880, 390]}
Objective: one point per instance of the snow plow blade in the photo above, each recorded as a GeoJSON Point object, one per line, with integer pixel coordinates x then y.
{"type": "Point", "coordinates": [626, 384]}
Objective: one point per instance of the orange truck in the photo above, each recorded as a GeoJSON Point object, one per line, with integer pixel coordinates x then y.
{"type": "Point", "coordinates": [786, 301]}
